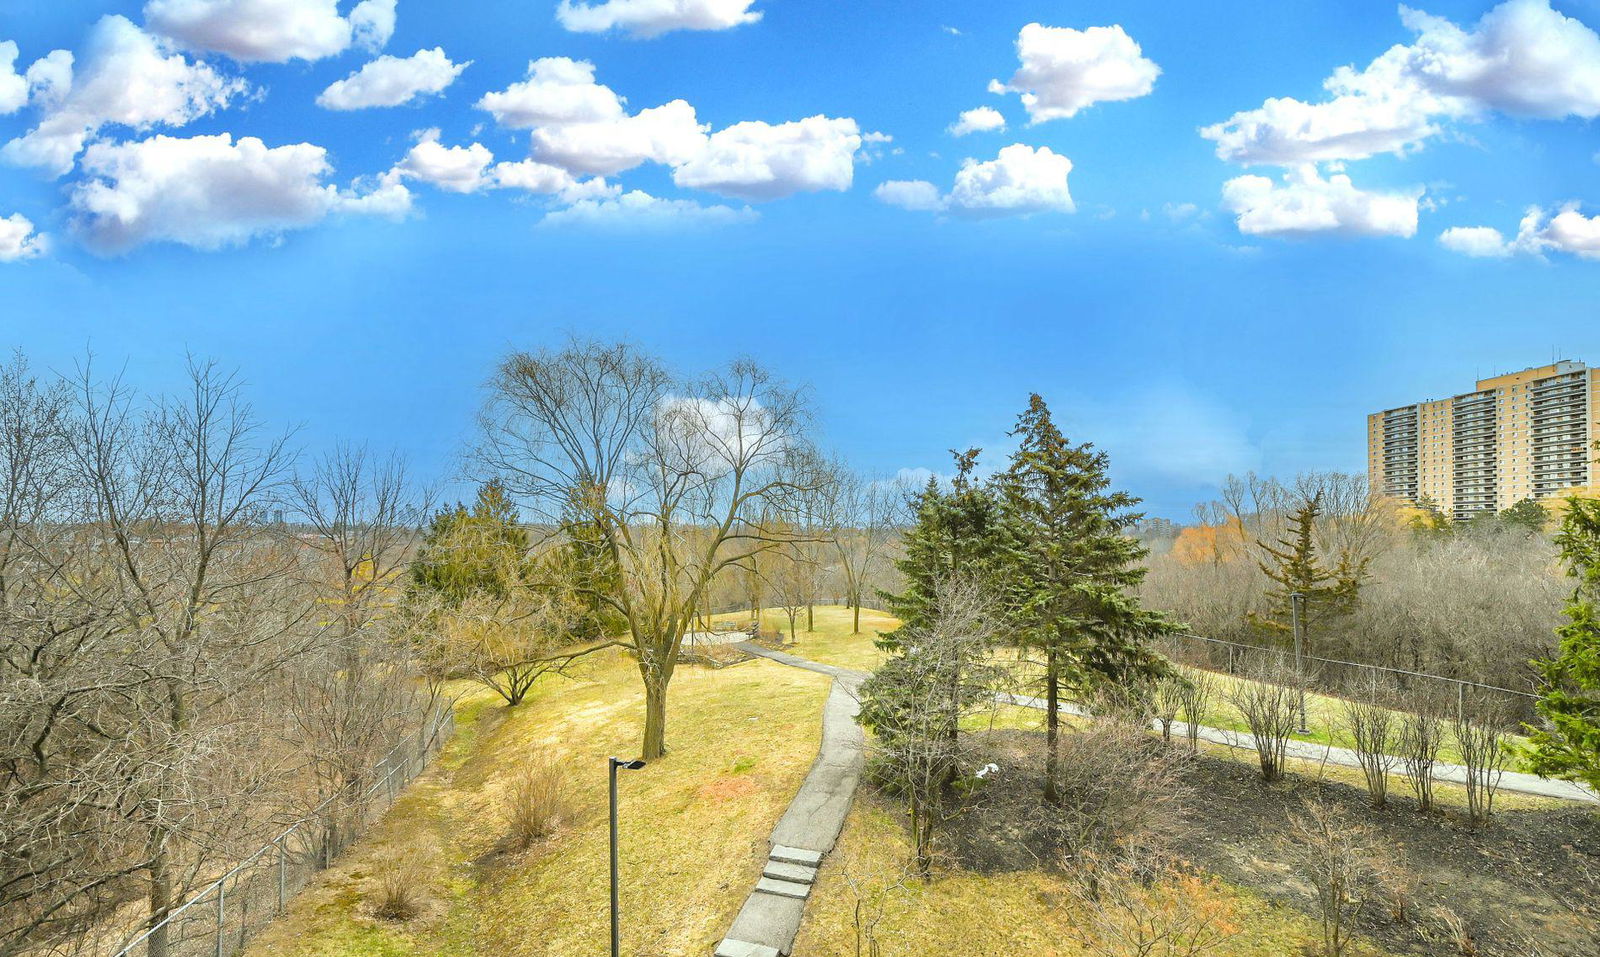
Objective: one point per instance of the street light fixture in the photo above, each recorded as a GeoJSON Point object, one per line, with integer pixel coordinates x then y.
{"type": "Point", "coordinates": [616, 933]}
{"type": "Point", "coordinates": [1297, 602]}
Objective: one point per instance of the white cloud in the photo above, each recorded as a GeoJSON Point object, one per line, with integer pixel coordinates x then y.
{"type": "Point", "coordinates": [762, 161]}
{"type": "Point", "coordinates": [535, 177]}
{"type": "Point", "coordinates": [272, 31]}
{"type": "Point", "coordinates": [1568, 231]}
{"type": "Point", "coordinates": [1018, 181]}
{"type": "Point", "coordinates": [458, 169]}
{"type": "Point", "coordinates": [649, 18]}
{"type": "Point", "coordinates": [130, 79]}
{"type": "Point", "coordinates": [18, 240]}
{"type": "Point", "coordinates": [1065, 70]}
{"type": "Point", "coordinates": [1180, 212]}
{"type": "Point", "coordinates": [558, 90]}
{"type": "Point", "coordinates": [637, 210]}
{"type": "Point", "coordinates": [50, 79]}
{"type": "Point", "coordinates": [916, 194]}
{"type": "Point", "coordinates": [1480, 242]}
{"type": "Point", "coordinates": [984, 119]}
{"type": "Point", "coordinates": [1305, 203]}
{"type": "Point", "coordinates": [667, 134]}
{"type": "Point", "coordinates": [13, 85]}
{"type": "Point", "coordinates": [206, 192]}
{"type": "Point", "coordinates": [1522, 58]}
{"type": "Point", "coordinates": [393, 81]}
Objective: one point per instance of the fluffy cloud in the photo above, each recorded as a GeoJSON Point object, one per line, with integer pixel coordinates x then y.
{"type": "Point", "coordinates": [638, 210]}
{"type": "Point", "coordinates": [393, 81]}
{"type": "Point", "coordinates": [1568, 231]}
{"type": "Point", "coordinates": [984, 119]}
{"type": "Point", "coordinates": [13, 85]}
{"type": "Point", "coordinates": [1305, 203]}
{"type": "Point", "coordinates": [129, 78]}
{"type": "Point", "coordinates": [917, 194]}
{"type": "Point", "coordinates": [272, 31]}
{"type": "Point", "coordinates": [667, 134]}
{"type": "Point", "coordinates": [1065, 70]}
{"type": "Point", "coordinates": [18, 240]}
{"type": "Point", "coordinates": [1019, 181]}
{"type": "Point", "coordinates": [1522, 58]}
{"type": "Point", "coordinates": [206, 192]}
{"type": "Point", "coordinates": [762, 161]}
{"type": "Point", "coordinates": [458, 169]}
{"type": "Point", "coordinates": [50, 79]}
{"type": "Point", "coordinates": [558, 90]}
{"type": "Point", "coordinates": [649, 18]}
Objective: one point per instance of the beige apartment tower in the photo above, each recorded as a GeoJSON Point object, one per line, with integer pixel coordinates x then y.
{"type": "Point", "coordinates": [1523, 435]}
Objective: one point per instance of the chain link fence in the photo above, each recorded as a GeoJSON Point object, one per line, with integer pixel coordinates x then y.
{"type": "Point", "coordinates": [1351, 679]}
{"type": "Point", "coordinates": [220, 919]}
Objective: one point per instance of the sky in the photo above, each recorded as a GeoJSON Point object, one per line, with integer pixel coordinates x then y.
{"type": "Point", "coordinates": [1213, 237]}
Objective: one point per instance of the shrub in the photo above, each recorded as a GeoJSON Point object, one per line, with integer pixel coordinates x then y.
{"type": "Point", "coordinates": [1268, 697]}
{"type": "Point", "coordinates": [398, 895]}
{"type": "Point", "coordinates": [1158, 908]}
{"type": "Point", "coordinates": [1372, 732]}
{"type": "Point", "coordinates": [1122, 794]}
{"type": "Point", "coordinates": [536, 804]}
{"type": "Point", "coordinates": [1421, 735]}
{"type": "Point", "coordinates": [1340, 860]}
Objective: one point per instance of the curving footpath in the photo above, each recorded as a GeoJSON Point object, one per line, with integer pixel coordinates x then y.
{"type": "Point", "coordinates": [767, 924]}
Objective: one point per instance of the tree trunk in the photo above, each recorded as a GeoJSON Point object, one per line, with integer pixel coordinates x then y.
{"type": "Point", "coordinates": [857, 626]}
{"type": "Point", "coordinates": [1052, 725]}
{"type": "Point", "coordinates": [156, 944]}
{"type": "Point", "coordinates": [655, 718]}
{"type": "Point", "coordinates": [811, 618]}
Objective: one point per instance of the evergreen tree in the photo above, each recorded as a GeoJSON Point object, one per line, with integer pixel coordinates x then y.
{"type": "Point", "coordinates": [955, 535]}
{"type": "Point", "coordinates": [1294, 567]}
{"type": "Point", "coordinates": [1569, 746]}
{"type": "Point", "coordinates": [1528, 515]}
{"type": "Point", "coordinates": [1070, 567]}
{"type": "Point", "coordinates": [466, 551]}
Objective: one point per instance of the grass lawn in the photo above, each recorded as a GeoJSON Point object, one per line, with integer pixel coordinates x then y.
{"type": "Point", "coordinates": [831, 643]}
{"type": "Point", "coordinates": [693, 826]}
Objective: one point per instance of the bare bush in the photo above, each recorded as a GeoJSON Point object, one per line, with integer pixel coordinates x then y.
{"type": "Point", "coordinates": [1479, 732]}
{"type": "Point", "coordinates": [1159, 908]}
{"type": "Point", "coordinates": [397, 894]}
{"type": "Point", "coordinates": [1166, 700]}
{"type": "Point", "coordinates": [1195, 697]}
{"type": "Point", "coordinates": [1420, 736]}
{"type": "Point", "coordinates": [536, 804]}
{"type": "Point", "coordinates": [1340, 860]}
{"type": "Point", "coordinates": [1268, 697]}
{"type": "Point", "coordinates": [875, 891]}
{"type": "Point", "coordinates": [1122, 795]}
{"type": "Point", "coordinates": [1373, 729]}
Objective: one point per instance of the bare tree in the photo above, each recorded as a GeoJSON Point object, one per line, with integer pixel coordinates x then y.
{"type": "Point", "coordinates": [672, 474]}
{"type": "Point", "coordinates": [1340, 860]}
{"type": "Point", "coordinates": [868, 511]}
{"type": "Point", "coordinates": [1196, 696]}
{"type": "Point", "coordinates": [1421, 736]}
{"type": "Point", "coordinates": [1166, 700]}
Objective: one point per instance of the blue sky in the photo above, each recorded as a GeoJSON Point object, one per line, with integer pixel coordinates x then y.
{"type": "Point", "coordinates": [1195, 303]}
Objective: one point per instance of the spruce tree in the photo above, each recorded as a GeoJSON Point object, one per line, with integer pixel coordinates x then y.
{"type": "Point", "coordinates": [1070, 567]}
{"type": "Point", "coordinates": [482, 549]}
{"type": "Point", "coordinates": [1294, 567]}
{"type": "Point", "coordinates": [1569, 745]}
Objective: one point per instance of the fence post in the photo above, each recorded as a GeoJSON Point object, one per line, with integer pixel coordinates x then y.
{"type": "Point", "coordinates": [1461, 701]}
{"type": "Point", "coordinates": [283, 865]}
{"type": "Point", "coordinates": [222, 886]}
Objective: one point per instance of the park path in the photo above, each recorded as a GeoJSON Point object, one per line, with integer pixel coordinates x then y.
{"type": "Point", "coordinates": [770, 918]}
{"type": "Point", "coordinates": [767, 924]}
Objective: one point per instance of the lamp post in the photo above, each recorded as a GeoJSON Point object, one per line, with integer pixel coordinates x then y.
{"type": "Point", "coordinates": [616, 933]}
{"type": "Point", "coordinates": [1297, 602]}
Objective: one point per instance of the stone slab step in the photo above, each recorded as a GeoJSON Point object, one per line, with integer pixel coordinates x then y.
{"type": "Point", "coordinates": [739, 948]}
{"type": "Point", "coordinates": [795, 855]}
{"type": "Point", "coordinates": [768, 885]}
{"type": "Point", "coordinates": [783, 871]}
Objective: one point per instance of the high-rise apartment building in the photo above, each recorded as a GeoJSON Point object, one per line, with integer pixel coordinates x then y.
{"type": "Point", "coordinates": [1528, 434]}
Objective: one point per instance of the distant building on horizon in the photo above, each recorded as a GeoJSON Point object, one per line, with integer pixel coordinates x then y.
{"type": "Point", "coordinates": [1523, 435]}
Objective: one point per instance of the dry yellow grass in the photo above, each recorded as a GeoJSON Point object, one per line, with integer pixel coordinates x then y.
{"type": "Point", "coordinates": [693, 830]}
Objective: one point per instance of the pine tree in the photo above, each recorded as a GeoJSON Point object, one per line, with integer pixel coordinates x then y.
{"type": "Point", "coordinates": [1070, 567]}
{"type": "Point", "coordinates": [1569, 746]}
{"type": "Point", "coordinates": [1295, 568]}
{"type": "Point", "coordinates": [482, 549]}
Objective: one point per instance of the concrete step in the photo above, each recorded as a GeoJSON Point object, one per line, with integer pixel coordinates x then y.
{"type": "Point", "coordinates": [779, 888]}
{"type": "Point", "coordinates": [795, 855]}
{"type": "Point", "coordinates": [738, 948]}
{"type": "Point", "coordinates": [784, 871]}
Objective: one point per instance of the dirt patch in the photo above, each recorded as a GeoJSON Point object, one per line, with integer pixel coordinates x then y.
{"type": "Point", "coordinates": [1526, 886]}
{"type": "Point", "coordinates": [727, 789]}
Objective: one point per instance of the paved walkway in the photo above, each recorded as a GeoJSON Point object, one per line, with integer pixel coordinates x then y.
{"type": "Point", "coordinates": [767, 924]}
{"type": "Point", "coordinates": [1344, 757]}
